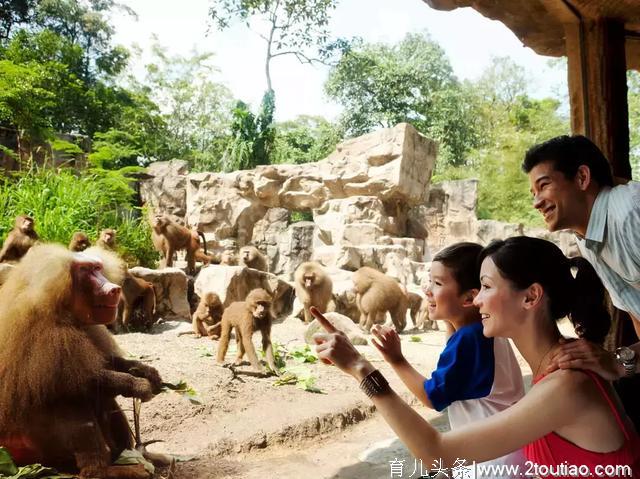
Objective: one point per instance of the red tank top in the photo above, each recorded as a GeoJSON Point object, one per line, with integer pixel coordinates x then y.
{"type": "Point", "coordinates": [555, 453]}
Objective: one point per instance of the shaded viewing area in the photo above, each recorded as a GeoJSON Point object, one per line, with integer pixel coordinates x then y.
{"type": "Point", "coordinates": [601, 40]}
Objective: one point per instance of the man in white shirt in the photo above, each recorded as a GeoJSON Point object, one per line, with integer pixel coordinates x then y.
{"type": "Point", "coordinates": [573, 188]}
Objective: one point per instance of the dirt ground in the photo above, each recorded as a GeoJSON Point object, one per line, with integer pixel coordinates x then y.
{"type": "Point", "coordinates": [241, 417]}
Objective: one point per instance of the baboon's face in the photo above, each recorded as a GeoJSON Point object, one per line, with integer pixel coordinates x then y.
{"type": "Point", "coordinates": [210, 299]}
{"type": "Point", "coordinates": [108, 236]}
{"type": "Point", "coordinates": [261, 309]}
{"type": "Point", "coordinates": [26, 226]}
{"type": "Point", "coordinates": [159, 223]}
{"type": "Point", "coordinates": [82, 243]}
{"type": "Point", "coordinates": [309, 280]}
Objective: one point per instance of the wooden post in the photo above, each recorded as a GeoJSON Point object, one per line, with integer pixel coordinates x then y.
{"type": "Point", "coordinates": [598, 88]}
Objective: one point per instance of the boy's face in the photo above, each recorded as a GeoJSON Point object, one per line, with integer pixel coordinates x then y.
{"type": "Point", "coordinates": [445, 301]}
{"type": "Point", "coordinates": [558, 199]}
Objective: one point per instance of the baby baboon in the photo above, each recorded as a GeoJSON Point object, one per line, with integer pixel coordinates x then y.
{"type": "Point", "coordinates": [107, 239]}
{"type": "Point", "coordinates": [313, 288]}
{"type": "Point", "coordinates": [251, 257]}
{"type": "Point", "coordinates": [246, 317]}
{"type": "Point", "coordinates": [207, 317]}
{"type": "Point", "coordinates": [22, 237]}
{"type": "Point", "coordinates": [79, 242]}
{"type": "Point", "coordinates": [376, 294]}
{"type": "Point", "coordinates": [414, 300]}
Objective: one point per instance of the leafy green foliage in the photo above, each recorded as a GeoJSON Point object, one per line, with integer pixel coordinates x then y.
{"type": "Point", "coordinates": [305, 139]}
{"type": "Point", "coordinates": [297, 216]}
{"type": "Point", "coordinates": [196, 110]}
{"type": "Point", "coordinates": [381, 85]}
{"type": "Point", "coordinates": [252, 136]}
{"type": "Point", "coordinates": [32, 471]}
{"type": "Point", "coordinates": [182, 388]}
{"type": "Point", "coordinates": [114, 149]}
{"type": "Point", "coordinates": [299, 377]}
{"type": "Point", "coordinates": [13, 13]}
{"type": "Point", "coordinates": [512, 122]}
{"type": "Point", "coordinates": [303, 354]}
{"type": "Point", "coordinates": [633, 83]}
{"type": "Point", "coordinates": [63, 203]}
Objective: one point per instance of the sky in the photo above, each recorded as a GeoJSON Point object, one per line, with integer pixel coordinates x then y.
{"type": "Point", "coordinates": [469, 40]}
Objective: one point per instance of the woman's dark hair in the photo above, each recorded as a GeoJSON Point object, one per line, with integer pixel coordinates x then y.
{"type": "Point", "coordinates": [462, 260]}
{"type": "Point", "coordinates": [523, 261]}
{"type": "Point", "coordinates": [567, 153]}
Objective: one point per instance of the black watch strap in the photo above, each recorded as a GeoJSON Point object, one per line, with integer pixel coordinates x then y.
{"type": "Point", "coordinates": [374, 384]}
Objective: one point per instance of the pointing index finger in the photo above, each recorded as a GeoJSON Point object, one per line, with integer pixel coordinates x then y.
{"type": "Point", "coordinates": [324, 322]}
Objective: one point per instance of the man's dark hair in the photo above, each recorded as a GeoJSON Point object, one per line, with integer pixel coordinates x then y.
{"type": "Point", "coordinates": [462, 260]}
{"type": "Point", "coordinates": [567, 153]}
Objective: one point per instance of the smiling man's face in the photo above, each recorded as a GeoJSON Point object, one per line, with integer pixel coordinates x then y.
{"type": "Point", "coordinates": [558, 199]}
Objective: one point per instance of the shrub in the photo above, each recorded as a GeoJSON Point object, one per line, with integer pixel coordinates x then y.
{"type": "Point", "coordinates": [62, 202]}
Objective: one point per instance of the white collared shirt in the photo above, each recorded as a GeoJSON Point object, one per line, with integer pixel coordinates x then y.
{"type": "Point", "coordinates": [612, 244]}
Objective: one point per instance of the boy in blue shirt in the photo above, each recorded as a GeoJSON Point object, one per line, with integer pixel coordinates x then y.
{"type": "Point", "coordinates": [475, 376]}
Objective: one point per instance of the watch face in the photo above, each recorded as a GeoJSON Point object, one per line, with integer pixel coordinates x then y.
{"type": "Point", "coordinates": [626, 354]}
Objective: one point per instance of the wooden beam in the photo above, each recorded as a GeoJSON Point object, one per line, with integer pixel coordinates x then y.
{"type": "Point", "coordinates": [598, 87]}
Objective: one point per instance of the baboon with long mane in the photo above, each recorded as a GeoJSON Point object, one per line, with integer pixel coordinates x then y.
{"type": "Point", "coordinates": [60, 369]}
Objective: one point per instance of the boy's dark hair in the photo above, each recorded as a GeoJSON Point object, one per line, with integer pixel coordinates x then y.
{"type": "Point", "coordinates": [523, 261]}
{"type": "Point", "coordinates": [462, 260]}
{"type": "Point", "coordinates": [567, 153]}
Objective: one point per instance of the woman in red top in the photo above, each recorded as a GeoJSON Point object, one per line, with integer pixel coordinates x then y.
{"type": "Point", "coordinates": [570, 424]}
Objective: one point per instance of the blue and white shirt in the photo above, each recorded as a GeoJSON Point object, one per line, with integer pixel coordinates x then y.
{"type": "Point", "coordinates": [612, 244]}
{"type": "Point", "coordinates": [475, 378]}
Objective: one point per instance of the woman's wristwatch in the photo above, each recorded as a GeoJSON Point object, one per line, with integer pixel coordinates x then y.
{"type": "Point", "coordinates": [374, 384]}
{"type": "Point", "coordinates": [628, 359]}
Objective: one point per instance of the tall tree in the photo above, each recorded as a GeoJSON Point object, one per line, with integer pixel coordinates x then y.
{"type": "Point", "coordinates": [288, 27]}
{"type": "Point", "coordinates": [12, 13]}
{"type": "Point", "coordinates": [380, 85]}
{"type": "Point", "coordinates": [196, 109]}
{"type": "Point", "coordinates": [85, 23]}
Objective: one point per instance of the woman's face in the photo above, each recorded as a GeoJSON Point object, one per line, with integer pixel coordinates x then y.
{"type": "Point", "coordinates": [443, 296]}
{"type": "Point", "coordinates": [499, 302]}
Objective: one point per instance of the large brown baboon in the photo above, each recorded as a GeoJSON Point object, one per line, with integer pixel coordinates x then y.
{"type": "Point", "coordinates": [22, 237]}
{"type": "Point", "coordinates": [246, 317]}
{"type": "Point", "coordinates": [377, 293]}
{"type": "Point", "coordinates": [251, 257]}
{"type": "Point", "coordinates": [206, 320]}
{"type": "Point", "coordinates": [313, 288]}
{"type": "Point", "coordinates": [169, 237]}
{"type": "Point", "coordinates": [107, 239]}
{"type": "Point", "coordinates": [134, 291]}
{"type": "Point", "coordinates": [58, 407]}
{"type": "Point", "coordinates": [79, 242]}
